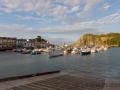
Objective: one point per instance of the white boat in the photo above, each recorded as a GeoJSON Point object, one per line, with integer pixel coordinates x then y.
{"type": "Point", "coordinates": [35, 53]}
{"type": "Point", "coordinates": [85, 52]}
{"type": "Point", "coordinates": [105, 48]}
{"type": "Point", "coordinates": [93, 50]}
{"type": "Point", "coordinates": [65, 51]}
{"type": "Point", "coordinates": [98, 49]}
{"type": "Point", "coordinates": [75, 51]}
{"type": "Point", "coordinates": [55, 55]}
{"type": "Point", "coordinates": [24, 50]}
{"type": "Point", "coordinates": [36, 50]}
{"type": "Point", "coordinates": [48, 50]}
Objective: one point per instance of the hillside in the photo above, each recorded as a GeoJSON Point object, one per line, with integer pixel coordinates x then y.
{"type": "Point", "coordinates": [110, 39]}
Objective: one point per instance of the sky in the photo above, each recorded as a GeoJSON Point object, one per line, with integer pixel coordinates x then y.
{"type": "Point", "coordinates": [58, 21]}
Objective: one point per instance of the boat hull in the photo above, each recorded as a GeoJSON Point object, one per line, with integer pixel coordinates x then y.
{"type": "Point", "coordinates": [19, 51]}
{"type": "Point", "coordinates": [34, 53]}
{"type": "Point", "coordinates": [25, 52]}
{"type": "Point", "coordinates": [13, 50]}
{"type": "Point", "coordinates": [85, 53]}
{"type": "Point", "coordinates": [56, 55]}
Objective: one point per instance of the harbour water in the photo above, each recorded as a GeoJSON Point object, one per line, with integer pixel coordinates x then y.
{"type": "Point", "coordinates": [103, 64]}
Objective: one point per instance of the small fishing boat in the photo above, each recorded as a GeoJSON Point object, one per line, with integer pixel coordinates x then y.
{"type": "Point", "coordinates": [26, 52]}
{"type": "Point", "coordinates": [85, 52]}
{"type": "Point", "coordinates": [34, 53]}
{"type": "Point", "coordinates": [14, 50]}
{"type": "Point", "coordinates": [55, 55]}
{"type": "Point", "coordinates": [75, 51]}
{"type": "Point", "coordinates": [105, 48]}
{"type": "Point", "coordinates": [99, 49]}
{"type": "Point", "coordinates": [19, 51]}
{"type": "Point", "coordinates": [65, 51]}
{"type": "Point", "coordinates": [49, 50]}
{"type": "Point", "coordinates": [93, 50]}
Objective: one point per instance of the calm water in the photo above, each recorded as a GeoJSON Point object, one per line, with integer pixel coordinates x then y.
{"type": "Point", "coordinates": [104, 64]}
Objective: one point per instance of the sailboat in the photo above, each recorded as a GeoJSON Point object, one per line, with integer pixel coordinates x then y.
{"type": "Point", "coordinates": [94, 49]}
{"type": "Point", "coordinates": [65, 51]}
{"type": "Point", "coordinates": [106, 47]}
{"type": "Point", "coordinates": [75, 51]}
{"type": "Point", "coordinates": [85, 51]}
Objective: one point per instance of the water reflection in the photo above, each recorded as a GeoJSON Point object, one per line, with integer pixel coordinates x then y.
{"type": "Point", "coordinates": [103, 64]}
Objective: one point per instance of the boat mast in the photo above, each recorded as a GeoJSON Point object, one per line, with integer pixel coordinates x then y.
{"type": "Point", "coordinates": [41, 43]}
{"type": "Point", "coordinates": [106, 40]}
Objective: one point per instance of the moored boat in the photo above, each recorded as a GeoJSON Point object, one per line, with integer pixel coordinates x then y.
{"type": "Point", "coordinates": [26, 52]}
{"type": "Point", "coordinates": [34, 53]}
{"type": "Point", "coordinates": [85, 52]}
{"type": "Point", "coordinates": [105, 48]}
{"type": "Point", "coordinates": [75, 51]}
{"type": "Point", "coordinates": [99, 49]}
{"type": "Point", "coordinates": [49, 50]}
{"type": "Point", "coordinates": [14, 50]}
{"type": "Point", "coordinates": [19, 51]}
{"type": "Point", "coordinates": [65, 51]}
{"type": "Point", "coordinates": [55, 55]}
{"type": "Point", "coordinates": [93, 50]}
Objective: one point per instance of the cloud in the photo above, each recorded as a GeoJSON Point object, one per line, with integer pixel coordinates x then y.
{"type": "Point", "coordinates": [87, 7]}
{"type": "Point", "coordinates": [88, 3]}
{"type": "Point", "coordinates": [105, 7]}
{"type": "Point", "coordinates": [16, 28]}
{"type": "Point", "coordinates": [40, 7]}
{"type": "Point", "coordinates": [59, 10]}
{"type": "Point", "coordinates": [76, 8]}
{"type": "Point", "coordinates": [70, 2]}
{"type": "Point", "coordinates": [75, 19]}
{"type": "Point", "coordinates": [114, 18]}
{"type": "Point", "coordinates": [46, 7]}
{"type": "Point", "coordinates": [1, 13]}
{"type": "Point", "coordinates": [83, 27]}
{"type": "Point", "coordinates": [77, 28]}
{"type": "Point", "coordinates": [37, 6]}
{"type": "Point", "coordinates": [27, 17]}
{"type": "Point", "coordinates": [5, 34]}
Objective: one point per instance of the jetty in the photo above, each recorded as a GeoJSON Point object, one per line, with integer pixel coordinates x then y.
{"type": "Point", "coordinates": [60, 81]}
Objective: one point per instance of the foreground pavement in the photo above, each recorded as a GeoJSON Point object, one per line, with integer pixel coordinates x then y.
{"type": "Point", "coordinates": [60, 81]}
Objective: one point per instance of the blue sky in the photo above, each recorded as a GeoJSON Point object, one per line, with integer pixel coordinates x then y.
{"type": "Point", "coordinates": [58, 20]}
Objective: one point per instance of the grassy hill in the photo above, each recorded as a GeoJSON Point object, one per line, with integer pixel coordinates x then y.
{"type": "Point", "coordinates": [110, 39]}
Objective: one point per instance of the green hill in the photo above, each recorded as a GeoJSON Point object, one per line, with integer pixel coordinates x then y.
{"type": "Point", "coordinates": [110, 39]}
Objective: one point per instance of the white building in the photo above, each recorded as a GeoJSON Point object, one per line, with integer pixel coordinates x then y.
{"type": "Point", "coordinates": [25, 43]}
{"type": "Point", "coordinates": [29, 43]}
